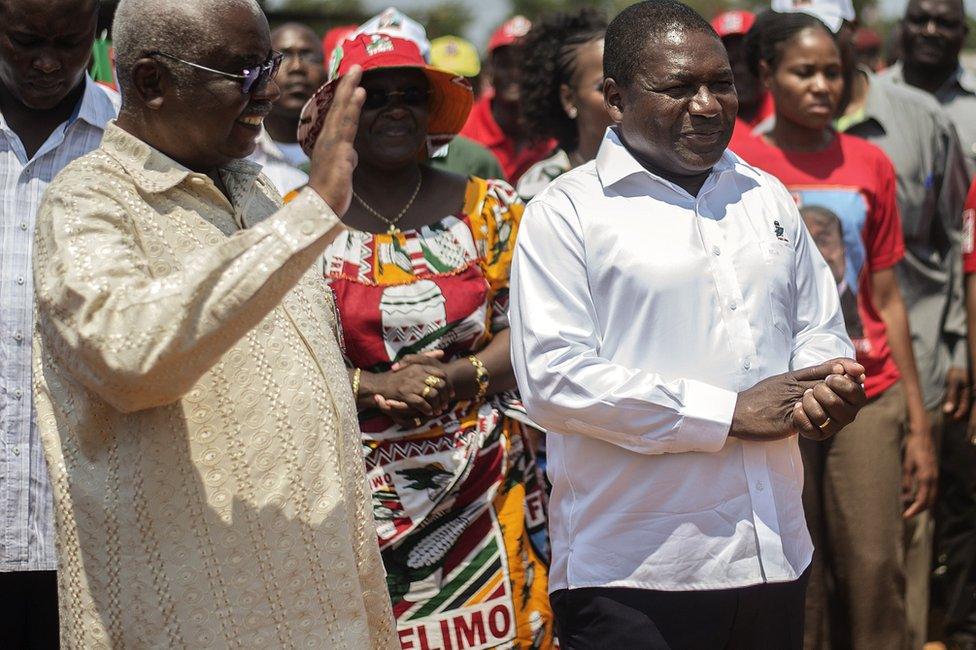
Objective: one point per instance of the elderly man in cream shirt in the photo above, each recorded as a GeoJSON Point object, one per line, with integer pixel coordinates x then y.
{"type": "Point", "coordinates": [193, 405]}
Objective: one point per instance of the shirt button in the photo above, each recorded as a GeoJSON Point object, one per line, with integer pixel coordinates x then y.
{"type": "Point", "coordinates": [18, 393]}
{"type": "Point", "coordinates": [308, 228]}
{"type": "Point", "coordinates": [18, 337]}
{"type": "Point", "coordinates": [747, 365]}
{"type": "Point", "coordinates": [760, 486]}
{"type": "Point", "coordinates": [734, 306]}
{"type": "Point", "coordinates": [196, 180]}
{"type": "Point", "coordinates": [20, 279]}
{"type": "Point", "coordinates": [716, 250]}
{"type": "Point", "coordinates": [23, 226]}
{"type": "Point", "coordinates": [16, 451]}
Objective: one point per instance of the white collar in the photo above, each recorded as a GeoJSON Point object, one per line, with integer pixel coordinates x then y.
{"type": "Point", "coordinates": [614, 162]}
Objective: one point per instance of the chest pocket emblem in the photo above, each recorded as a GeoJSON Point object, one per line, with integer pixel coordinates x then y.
{"type": "Point", "coordinates": [778, 230]}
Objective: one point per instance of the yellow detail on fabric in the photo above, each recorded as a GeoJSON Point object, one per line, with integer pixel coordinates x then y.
{"type": "Point", "coordinates": [845, 122]}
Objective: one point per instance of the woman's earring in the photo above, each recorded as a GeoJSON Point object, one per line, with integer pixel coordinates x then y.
{"type": "Point", "coordinates": [572, 112]}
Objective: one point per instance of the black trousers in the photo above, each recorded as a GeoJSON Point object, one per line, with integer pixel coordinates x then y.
{"type": "Point", "coordinates": [762, 617]}
{"type": "Point", "coordinates": [954, 587]}
{"type": "Point", "coordinates": [29, 614]}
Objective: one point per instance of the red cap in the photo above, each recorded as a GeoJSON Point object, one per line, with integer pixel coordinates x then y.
{"type": "Point", "coordinates": [332, 38]}
{"type": "Point", "coordinates": [450, 94]}
{"type": "Point", "coordinates": [866, 38]}
{"type": "Point", "coordinates": [509, 33]}
{"type": "Point", "coordinates": [731, 23]}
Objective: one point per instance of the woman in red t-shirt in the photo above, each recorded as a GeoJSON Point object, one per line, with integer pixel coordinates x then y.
{"type": "Point", "coordinates": [845, 188]}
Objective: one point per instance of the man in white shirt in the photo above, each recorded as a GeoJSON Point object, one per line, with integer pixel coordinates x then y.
{"type": "Point", "coordinates": [51, 112]}
{"type": "Point", "coordinates": [674, 327]}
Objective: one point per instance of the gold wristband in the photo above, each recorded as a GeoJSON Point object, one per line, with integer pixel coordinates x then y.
{"type": "Point", "coordinates": [356, 377]}
{"type": "Point", "coordinates": [481, 376]}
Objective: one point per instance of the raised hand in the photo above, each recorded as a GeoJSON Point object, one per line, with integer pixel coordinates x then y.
{"type": "Point", "coordinates": [772, 409]}
{"type": "Point", "coordinates": [334, 158]}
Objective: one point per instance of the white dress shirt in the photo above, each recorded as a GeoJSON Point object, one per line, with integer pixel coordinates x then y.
{"type": "Point", "coordinates": [638, 313]}
{"type": "Point", "coordinates": [26, 518]}
{"type": "Point", "coordinates": [279, 163]}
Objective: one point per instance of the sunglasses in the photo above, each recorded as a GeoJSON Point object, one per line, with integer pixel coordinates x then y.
{"type": "Point", "coordinates": [250, 78]}
{"type": "Point", "coordinates": [379, 98]}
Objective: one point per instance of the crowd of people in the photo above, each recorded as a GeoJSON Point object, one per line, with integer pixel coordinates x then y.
{"type": "Point", "coordinates": [651, 330]}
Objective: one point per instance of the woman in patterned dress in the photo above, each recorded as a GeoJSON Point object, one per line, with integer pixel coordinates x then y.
{"type": "Point", "coordinates": [421, 286]}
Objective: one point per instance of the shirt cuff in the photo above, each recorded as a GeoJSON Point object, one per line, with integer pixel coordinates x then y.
{"type": "Point", "coordinates": [306, 218]}
{"type": "Point", "coordinates": [707, 418]}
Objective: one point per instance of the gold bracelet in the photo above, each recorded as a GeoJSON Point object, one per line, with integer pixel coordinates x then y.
{"type": "Point", "coordinates": [481, 376]}
{"type": "Point", "coordinates": [356, 377]}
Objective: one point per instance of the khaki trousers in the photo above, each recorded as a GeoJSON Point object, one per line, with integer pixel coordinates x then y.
{"type": "Point", "coordinates": [851, 495]}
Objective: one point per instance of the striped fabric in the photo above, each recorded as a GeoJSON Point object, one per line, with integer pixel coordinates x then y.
{"type": "Point", "coordinates": [26, 517]}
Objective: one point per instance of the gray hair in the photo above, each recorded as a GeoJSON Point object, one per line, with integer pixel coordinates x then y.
{"type": "Point", "coordinates": [188, 29]}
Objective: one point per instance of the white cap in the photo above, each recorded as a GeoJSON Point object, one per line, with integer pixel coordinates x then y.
{"type": "Point", "coordinates": [393, 22]}
{"type": "Point", "coordinates": [832, 13]}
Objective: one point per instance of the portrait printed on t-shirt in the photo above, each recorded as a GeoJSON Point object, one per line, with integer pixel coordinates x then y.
{"type": "Point", "coordinates": [828, 232]}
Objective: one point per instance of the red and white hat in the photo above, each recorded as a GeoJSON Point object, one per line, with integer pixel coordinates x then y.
{"type": "Point", "coordinates": [509, 33]}
{"type": "Point", "coordinates": [450, 94]}
{"type": "Point", "coordinates": [733, 23]}
{"type": "Point", "coordinates": [832, 13]}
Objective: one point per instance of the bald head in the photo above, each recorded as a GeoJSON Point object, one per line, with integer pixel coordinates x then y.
{"type": "Point", "coordinates": [193, 31]}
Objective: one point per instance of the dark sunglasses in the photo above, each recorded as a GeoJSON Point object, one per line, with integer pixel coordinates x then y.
{"type": "Point", "coordinates": [379, 98]}
{"type": "Point", "coordinates": [250, 78]}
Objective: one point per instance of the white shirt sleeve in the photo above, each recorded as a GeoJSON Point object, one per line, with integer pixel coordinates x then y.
{"type": "Point", "coordinates": [819, 333]}
{"type": "Point", "coordinates": [566, 386]}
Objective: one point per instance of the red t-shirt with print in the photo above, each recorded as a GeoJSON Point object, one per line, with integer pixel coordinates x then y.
{"type": "Point", "coordinates": [743, 128]}
{"type": "Point", "coordinates": [968, 228]}
{"type": "Point", "coordinates": [855, 181]}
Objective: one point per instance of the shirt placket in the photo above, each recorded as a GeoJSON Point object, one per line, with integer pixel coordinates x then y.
{"type": "Point", "coordinates": [15, 411]}
{"type": "Point", "coordinates": [772, 559]}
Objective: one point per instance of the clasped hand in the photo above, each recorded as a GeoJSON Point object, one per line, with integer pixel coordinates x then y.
{"type": "Point", "coordinates": [408, 395]}
{"type": "Point", "coordinates": [815, 402]}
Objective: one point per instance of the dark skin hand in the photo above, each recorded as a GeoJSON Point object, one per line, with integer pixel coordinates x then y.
{"type": "Point", "coordinates": [957, 399]}
{"type": "Point", "coordinates": [405, 389]}
{"type": "Point", "coordinates": [461, 383]}
{"type": "Point", "coordinates": [334, 156]}
{"type": "Point", "coordinates": [800, 402]}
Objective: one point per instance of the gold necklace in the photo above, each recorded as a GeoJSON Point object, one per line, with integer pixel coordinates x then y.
{"type": "Point", "coordinates": [392, 223]}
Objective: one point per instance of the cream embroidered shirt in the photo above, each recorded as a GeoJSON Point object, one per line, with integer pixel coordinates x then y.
{"type": "Point", "coordinates": [195, 413]}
